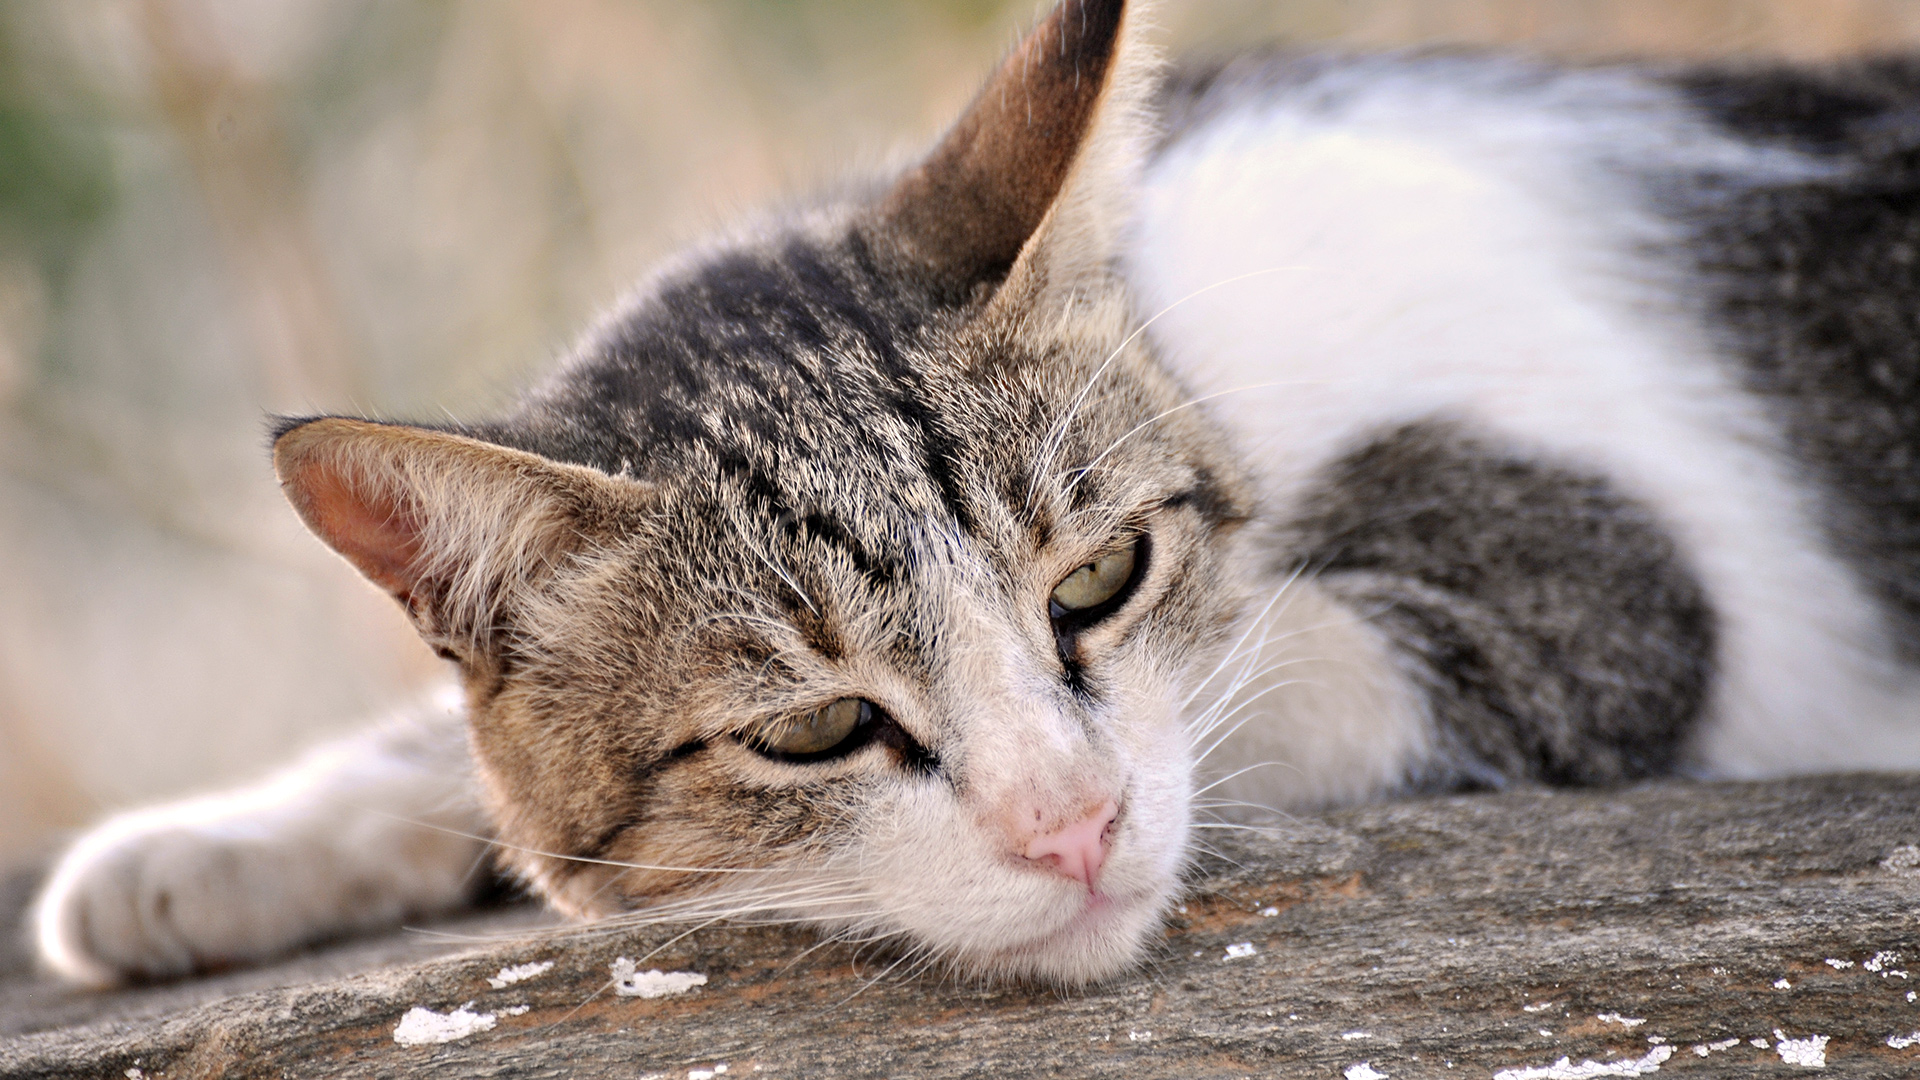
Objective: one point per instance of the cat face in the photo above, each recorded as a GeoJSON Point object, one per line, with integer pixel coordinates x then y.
{"type": "Point", "coordinates": [873, 622]}
{"type": "Point", "coordinates": [857, 573]}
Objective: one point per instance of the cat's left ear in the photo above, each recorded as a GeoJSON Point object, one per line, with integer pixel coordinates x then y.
{"type": "Point", "coordinates": [462, 533]}
{"type": "Point", "coordinates": [1030, 189]}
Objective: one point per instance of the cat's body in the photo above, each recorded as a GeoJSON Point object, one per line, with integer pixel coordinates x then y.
{"type": "Point", "coordinates": [1500, 292]}
{"type": "Point", "coordinates": [1490, 424]}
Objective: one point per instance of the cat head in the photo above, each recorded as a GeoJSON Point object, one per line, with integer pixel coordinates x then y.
{"type": "Point", "coordinates": [855, 572]}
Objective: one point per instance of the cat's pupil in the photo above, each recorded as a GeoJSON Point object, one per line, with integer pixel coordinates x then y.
{"type": "Point", "coordinates": [1097, 582]}
{"type": "Point", "coordinates": [816, 732]}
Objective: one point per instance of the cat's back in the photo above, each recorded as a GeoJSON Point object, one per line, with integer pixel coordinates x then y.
{"type": "Point", "coordinates": [1693, 286]}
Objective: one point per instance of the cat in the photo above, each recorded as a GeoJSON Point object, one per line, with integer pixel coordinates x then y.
{"type": "Point", "coordinates": [1280, 432]}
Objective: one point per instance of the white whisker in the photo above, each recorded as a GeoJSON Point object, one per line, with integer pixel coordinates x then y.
{"type": "Point", "coordinates": [1057, 434]}
{"type": "Point", "coordinates": [1243, 721]}
{"type": "Point", "coordinates": [1081, 473]}
{"type": "Point", "coordinates": [773, 565]}
{"type": "Point", "coordinates": [1246, 703]}
{"type": "Point", "coordinates": [1210, 805]}
{"type": "Point", "coordinates": [1252, 625]}
{"type": "Point", "coordinates": [1263, 830]}
{"type": "Point", "coordinates": [504, 846]}
{"type": "Point", "coordinates": [1248, 769]}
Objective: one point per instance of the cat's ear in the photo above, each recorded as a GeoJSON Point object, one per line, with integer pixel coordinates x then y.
{"type": "Point", "coordinates": [453, 527]}
{"type": "Point", "coordinates": [1033, 180]}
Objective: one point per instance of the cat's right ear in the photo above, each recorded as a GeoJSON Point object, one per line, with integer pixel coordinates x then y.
{"type": "Point", "coordinates": [454, 528]}
{"type": "Point", "coordinates": [1033, 180]}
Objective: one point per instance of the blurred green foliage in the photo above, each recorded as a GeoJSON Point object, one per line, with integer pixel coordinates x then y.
{"type": "Point", "coordinates": [56, 174]}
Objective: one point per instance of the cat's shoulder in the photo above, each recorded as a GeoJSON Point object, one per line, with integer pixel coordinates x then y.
{"type": "Point", "coordinates": [1857, 107]}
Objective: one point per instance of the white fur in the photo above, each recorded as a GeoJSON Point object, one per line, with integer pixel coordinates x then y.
{"type": "Point", "coordinates": [1308, 711]}
{"type": "Point", "coordinates": [357, 835]}
{"type": "Point", "coordinates": [1462, 243]}
{"type": "Point", "coordinates": [941, 857]}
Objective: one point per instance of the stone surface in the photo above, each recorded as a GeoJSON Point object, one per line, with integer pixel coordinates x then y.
{"type": "Point", "coordinates": [1469, 936]}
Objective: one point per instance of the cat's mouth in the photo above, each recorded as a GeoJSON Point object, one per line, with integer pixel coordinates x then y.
{"type": "Point", "coordinates": [1101, 938]}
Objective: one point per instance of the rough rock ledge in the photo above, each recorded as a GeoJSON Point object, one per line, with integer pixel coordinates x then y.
{"type": "Point", "coordinates": [1688, 929]}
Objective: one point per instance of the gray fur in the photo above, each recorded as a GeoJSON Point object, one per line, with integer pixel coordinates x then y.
{"type": "Point", "coordinates": [1551, 622]}
{"type": "Point", "coordinates": [1814, 286]}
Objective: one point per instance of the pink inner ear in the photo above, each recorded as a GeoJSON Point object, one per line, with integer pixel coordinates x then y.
{"type": "Point", "coordinates": [380, 535]}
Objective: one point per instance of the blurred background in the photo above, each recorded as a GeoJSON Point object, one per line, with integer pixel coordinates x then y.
{"type": "Point", "coordinates": [213, 210]}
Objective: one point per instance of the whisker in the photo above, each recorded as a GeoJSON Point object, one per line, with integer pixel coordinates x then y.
{"type": "Point", "coordinates": [1081, 473]}
{"type": "Point", "coordinates": [1208, 849]}
{"type": "Point", "coordinates": [1244, 720]}
{"type": "Point", "coordinates": [1252, 625]}
{"type": "Point", "coordinates": [1215, 804]}
{"type": "Point", "coordinates": [504, 846]}
{"type": "Point", "coordinates": [1263, 830]}
{"type": "Point", "coordinates": [1057, 434]}
{"type": "Point", "coordinates": [1211, 718]}
{"type": "Point", "coordinates": [1218, 711]}
{"type": "Point", "coordinates": [770, 896]}
{"type": "Point", "coordinates": [869, 984]}
{"type": "Point", "coordinates": [1248, 769]}
{"type": "Point", "coordinates": [626, 922]}
{"type": "Point", "coordinates": [791, 584]}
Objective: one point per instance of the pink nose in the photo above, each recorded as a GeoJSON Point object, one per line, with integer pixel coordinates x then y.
{"type": "Point", "coordinates": [1077, 850]}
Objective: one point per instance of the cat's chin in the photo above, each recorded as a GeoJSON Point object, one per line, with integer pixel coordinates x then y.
{"type": "Point", "coordinates": [1103, 939]}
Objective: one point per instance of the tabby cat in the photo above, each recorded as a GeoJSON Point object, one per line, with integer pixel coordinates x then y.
{"type": "Point", "coordinates": [1289, 431]}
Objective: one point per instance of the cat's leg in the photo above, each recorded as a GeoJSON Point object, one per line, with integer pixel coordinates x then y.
{"type": "Point", "coordinates": [358, 835]}
{"type": "Point", "coordinates": [1552, 627]}
{"type": "Point", "coordinates": [1466, 615]}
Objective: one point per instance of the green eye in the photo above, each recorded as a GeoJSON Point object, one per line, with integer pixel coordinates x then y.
{"type": "Point", "coordinates": [818, 732]}
{"type": "Point", "coordinates": [1097, 582]}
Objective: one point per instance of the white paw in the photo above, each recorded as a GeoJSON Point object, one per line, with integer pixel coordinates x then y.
{"type": "Point", "coordinates": [176, 889]}
{"type": "Point", "coordinates": [146, 897]}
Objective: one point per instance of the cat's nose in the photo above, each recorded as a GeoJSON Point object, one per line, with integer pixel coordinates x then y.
{"type": "Point", "coordinates": [1077, 850]}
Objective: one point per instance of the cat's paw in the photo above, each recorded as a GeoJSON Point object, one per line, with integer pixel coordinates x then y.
{"type": "Point", "coordinates": [172, 890]}
{"type": "Point", "coordinates": [150, 896]}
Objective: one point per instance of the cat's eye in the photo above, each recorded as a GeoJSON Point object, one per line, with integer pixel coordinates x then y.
{"type": "Point", "coordinates": [836, 728]}
{"type": "Point", "coordinates": [1098, 582]}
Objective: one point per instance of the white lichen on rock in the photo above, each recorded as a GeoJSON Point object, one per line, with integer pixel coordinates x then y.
{"type": "Point", "coordinates": [518, 973]}
{"type": "Point", "coordinates": [630, 982]}
{"type": "Point", "coordinates": [1623, 1021]}
{"type": "Point", "coordinates": [1564, 1069]}
{"type": "Point", "coordinates": [1904, 859]}
{"type": "Point", "coordinates": [1810, 1052]}
{"type": "Point", "coordinates": [1363, 1071]}
{"type": "Point", "coordinates": [424, 1027]}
